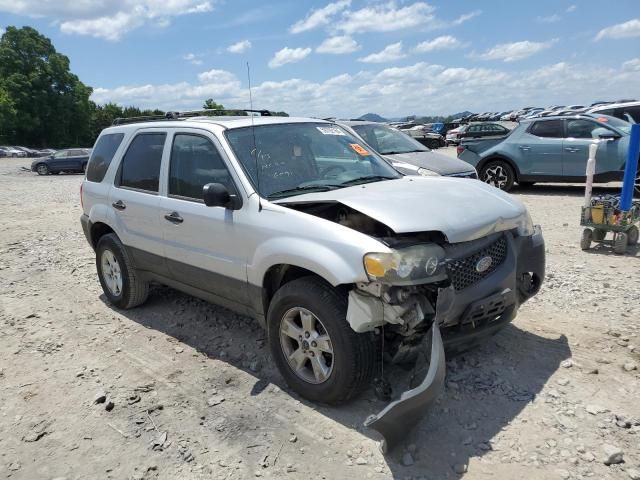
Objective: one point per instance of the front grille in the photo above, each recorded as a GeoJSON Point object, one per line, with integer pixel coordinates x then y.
{"type": "Point", "coordinates": [463, 272]}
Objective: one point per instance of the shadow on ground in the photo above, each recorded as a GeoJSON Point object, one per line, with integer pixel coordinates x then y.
{"type": "Point", "coordinates": [487, 388]}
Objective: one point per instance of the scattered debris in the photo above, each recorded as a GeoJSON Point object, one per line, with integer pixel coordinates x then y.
{"type": "Point", "coordinates": [612, 454]}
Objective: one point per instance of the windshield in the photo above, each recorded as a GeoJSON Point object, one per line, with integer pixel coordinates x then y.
{"type": "Point", "coordinates": [297, 158]}
{"type": "Point", "coordinates": [614, 122]}
{"type": "Point", "coordinates": [388, 141]}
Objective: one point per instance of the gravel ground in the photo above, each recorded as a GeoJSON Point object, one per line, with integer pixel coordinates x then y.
{"type": "Point", "coordinates": [182, 389]}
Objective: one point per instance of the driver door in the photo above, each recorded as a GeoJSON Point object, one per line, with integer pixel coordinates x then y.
{"type": "Point", "coordinates": [580, 134]}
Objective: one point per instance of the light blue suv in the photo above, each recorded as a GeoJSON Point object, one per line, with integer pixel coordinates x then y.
{"type": "Point", "coordinates": [551, 149]}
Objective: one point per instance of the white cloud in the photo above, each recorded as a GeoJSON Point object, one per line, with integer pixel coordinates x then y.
{"type": "Point", "coordinates": [193, 59]}
{"type": "Point", "coordinates": [549, 19]}
{"type": "Point", "coordinates": [392, 91]}
{"type": "Point", "coordinates": [387, 17]}
{"type": "Point", "coordinates": [288, 55]}
{"type": "Point", "coordinates": [510, 52]}
{"type": "Point", "coordinates": [106, 19]}
{"type": "Point", "coordinates": [239, 47]}
{"type": "Point", "coordinates": [388, 54]}
{"type": "Point", "coordinates": [320, 17]}
{"type": "Point", "coordinates": [466, 17]}
{"type": "Point", "coordinates": [338, 45]}
{"type": "Point", "coordinates": [628, 29]}
{"type": "Point", "coordinates": [571, 8]}
{"type": "Point", "coordinates": [445, 42]}
{"type": "Point", "coordinates": [632, 65]}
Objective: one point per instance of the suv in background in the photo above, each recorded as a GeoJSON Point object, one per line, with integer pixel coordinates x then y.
{"type": "Point", "coordinates": [627, 111]}
{"type": "Point", "coordinates": [551, 149]}
{"type": "Point", "coordinates": [70, 160]}
{"type": "Point", "coordinates": [299, 224]}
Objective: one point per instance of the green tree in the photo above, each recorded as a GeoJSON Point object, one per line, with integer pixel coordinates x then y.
{"type": "Point", "coordinates": [51, 104]}
{"type": "Point", "coordinates": [7, 115]}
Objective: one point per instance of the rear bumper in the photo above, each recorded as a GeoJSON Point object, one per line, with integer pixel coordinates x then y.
{"type": "Point", "coordinates": [86, 227]}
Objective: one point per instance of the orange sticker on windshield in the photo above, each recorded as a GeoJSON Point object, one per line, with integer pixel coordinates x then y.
{"type": "Point", "coordinates": [359, 150]}
{"type": "Point", "coordinates": [603, 119]}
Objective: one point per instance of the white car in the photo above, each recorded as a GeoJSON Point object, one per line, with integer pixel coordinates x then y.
{"type": "Point", "coordinates": [14, 152]}
{"type": "Point", "coordinates": [627, 111]}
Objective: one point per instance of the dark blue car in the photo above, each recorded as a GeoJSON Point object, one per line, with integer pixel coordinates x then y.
{"type": "Point", "coordinates": [70, 160]}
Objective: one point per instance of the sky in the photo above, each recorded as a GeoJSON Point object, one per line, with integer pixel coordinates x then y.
{"type": "Point", "coordinates": [344, 58]}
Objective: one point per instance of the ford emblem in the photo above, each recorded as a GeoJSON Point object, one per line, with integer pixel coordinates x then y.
{"type": "Point", "coordinates": [484, 264]}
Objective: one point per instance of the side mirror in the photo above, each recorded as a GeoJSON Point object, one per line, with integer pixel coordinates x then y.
{"type": "Point", "coordinates": [608, 135]}
{"type": "Point", "coordinates": [217, 195]}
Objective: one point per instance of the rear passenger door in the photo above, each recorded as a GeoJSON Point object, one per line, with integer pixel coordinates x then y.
{"type": "Point", "coordinates": [541, 148]}
{"type": "Point", "coordinates": [204, 246]}
{"type": "Point", "coordinates": [135, 200]}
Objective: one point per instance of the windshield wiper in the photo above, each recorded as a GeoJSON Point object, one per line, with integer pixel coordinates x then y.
{"type": "Point", "coordinates": [367, 179]}
{"type": "Point", "coordinates": [397, 152]}
{"type": "Point", "coordinates": [303, 189]}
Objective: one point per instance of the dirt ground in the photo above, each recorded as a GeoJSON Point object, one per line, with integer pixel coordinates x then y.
{"type": "Point", "coordinates": [180, 389]}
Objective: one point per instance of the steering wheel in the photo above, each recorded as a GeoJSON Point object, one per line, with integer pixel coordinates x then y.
{"type": "Point", "coordinates": [339, 169]}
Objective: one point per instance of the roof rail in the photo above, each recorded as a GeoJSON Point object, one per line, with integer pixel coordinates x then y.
{"type": "Point", "coordinates": [187, 114]}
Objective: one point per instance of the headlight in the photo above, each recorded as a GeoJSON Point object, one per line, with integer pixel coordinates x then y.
{"type": "Point", "coordinates": [410, 265]}
{"type": "Point", "coordinates": [526, 228]}
{"type": "Point", "coordinates": [427, 173]}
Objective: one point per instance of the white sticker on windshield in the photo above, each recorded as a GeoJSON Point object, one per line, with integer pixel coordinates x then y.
{"type": "Point", "coordinates": [331, 131]}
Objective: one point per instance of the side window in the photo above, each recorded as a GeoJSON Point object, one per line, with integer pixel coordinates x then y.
{"type": "Point", "coordinates": [102, 155]}
{"type": "Point", "coordinates": [195, 161]}
{"type": "Point", "coordinates": [630, 114]}
{"type": "Point", "coordinates": [62, 154]}
{"type": "Point", "coordinates": [582, 129]}
{"type": "Point", "coordinates": [473, 128]}
{"type": "Point", "coordinates": [140, 168]}
{"type": "Point", "coordinates": [547, 129]}
{"type": "Point", "coordinates": [76, 153]}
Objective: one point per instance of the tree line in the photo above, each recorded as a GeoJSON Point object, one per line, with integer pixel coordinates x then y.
{"type": "Point", "coordinates": [43, 104]}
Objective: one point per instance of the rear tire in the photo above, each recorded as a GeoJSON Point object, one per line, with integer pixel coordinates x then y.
{"type": "Point", "coordinates": [350, 366]}
{"type": "Point", "coordinates": [620, 244]}
{"type": "Point", "coordinates": [632, 235]}
{"type": "Point", "coordinates": [499, 174]}
{"type": "Point", "coordinates": [120, 281]}
{"type": "Point", "coordinates": [587, 238]}
{"type": "Point", "coordinates": [433, 144]}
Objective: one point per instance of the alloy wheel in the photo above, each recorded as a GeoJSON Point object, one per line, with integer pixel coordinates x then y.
{"type": "Point", "coordinates": [496, 176]}
{"type": "Point", "coordinates": [306, 345]}
{"type": "Point", "coordinates": [42, 169]}
{"type": "Point", "coordinates": [111, 272]}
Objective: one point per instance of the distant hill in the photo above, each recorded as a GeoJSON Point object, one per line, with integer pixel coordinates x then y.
{"type": "Point", "coordinates": [372, 117]}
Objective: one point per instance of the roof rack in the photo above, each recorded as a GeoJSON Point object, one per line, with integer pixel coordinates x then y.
{"type": "Point", "coordinates": [187, 114]}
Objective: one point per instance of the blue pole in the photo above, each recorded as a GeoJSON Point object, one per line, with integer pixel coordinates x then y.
{"type": "Point", "coordinates": [630, 169]}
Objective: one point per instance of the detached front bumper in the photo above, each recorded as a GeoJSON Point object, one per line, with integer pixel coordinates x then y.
{"type": "Point", "coordinates": [466, 316]}
{"type": "Point", "coordinates": [401, 415]}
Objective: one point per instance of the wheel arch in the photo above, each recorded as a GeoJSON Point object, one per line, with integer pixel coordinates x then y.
{"type": "Point", "coordinates": [97, 231]}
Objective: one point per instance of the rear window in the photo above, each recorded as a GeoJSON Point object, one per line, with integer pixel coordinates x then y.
{"type": "Point", "coordinates": [102, 155]}
{"type": "Point", "coordinates": [547, 129]}
{"type": "Point", "coordinates": [140, 168]}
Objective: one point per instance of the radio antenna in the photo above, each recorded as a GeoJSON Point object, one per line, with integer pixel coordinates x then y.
{"type": "Point", "coordinates": [253, 134]}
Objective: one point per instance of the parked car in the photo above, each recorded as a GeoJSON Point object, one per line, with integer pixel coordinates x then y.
{"type": "Point", "coordinates": [551, 149]}
{"type": "Point", "coordinates": [484, 129]}
{"type": "Point", "coordinates": [14, 152]}
{"type": "Point", "coordinates": [299, 224]}
{"type": "Point", "coordinates": [46, 152]}
{"type": "Point", "coordinates": [28, 151]}
{"type": "Point", "coordinates": [628, 111]}
{"type": "Point", "coordinates": [425, 137]}
{"type": "Point", "coordinates": [72, 160]}
{"type": "Point", "coordinates": [4, 152]}
{"type": "Point", "coordinates": [405, 153]}
{"type": "Point", "coordinates": [454, 136]}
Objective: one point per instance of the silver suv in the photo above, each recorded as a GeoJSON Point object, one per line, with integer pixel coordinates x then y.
{"type": "Point", "coordinates": [297, 223]}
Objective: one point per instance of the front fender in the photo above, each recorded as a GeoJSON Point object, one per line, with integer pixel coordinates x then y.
{"type": "Point", "coordinates": [335, 268]}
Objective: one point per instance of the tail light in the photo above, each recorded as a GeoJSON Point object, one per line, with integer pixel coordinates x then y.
{"type": "Point", "coordinates": [460, 149]}
{"type": "Point", "coordinates": [81, 200]}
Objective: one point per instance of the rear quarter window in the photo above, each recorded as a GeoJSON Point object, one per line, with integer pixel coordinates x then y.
{"type": "Point", "coordinates": [102, 156]}
{"type": "Point", "coordinates": [548, 129]}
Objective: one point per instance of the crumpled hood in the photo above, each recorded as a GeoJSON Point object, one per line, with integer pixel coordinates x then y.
{"type": "Point", "coordinates": [461, 209]}
{"type": "Point", "coordinates": [437, 162]}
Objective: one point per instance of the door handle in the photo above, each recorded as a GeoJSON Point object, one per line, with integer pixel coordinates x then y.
{"type": "Point", "coordinates": [174, 217]}
{"type": "Point", "coordinates": [572, 150]}
{"type": "Point", "coordinates": [525, 148]}
{"type": "Point", "coordinates": [119, 205]}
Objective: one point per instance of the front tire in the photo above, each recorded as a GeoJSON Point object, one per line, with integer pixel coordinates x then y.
{"type": "Point", "coordinates": [42, 169]}
{"type": "Point", "coordinates": [120, 281]}
{"type": "Point", "coordinates": [313, 346]}
{"type": "Point", "coordinates": [499, 174]}
{"type": "Point", "coordinates": [587, 238]}
{"type": "Point", "coordinates": [620, 244]}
